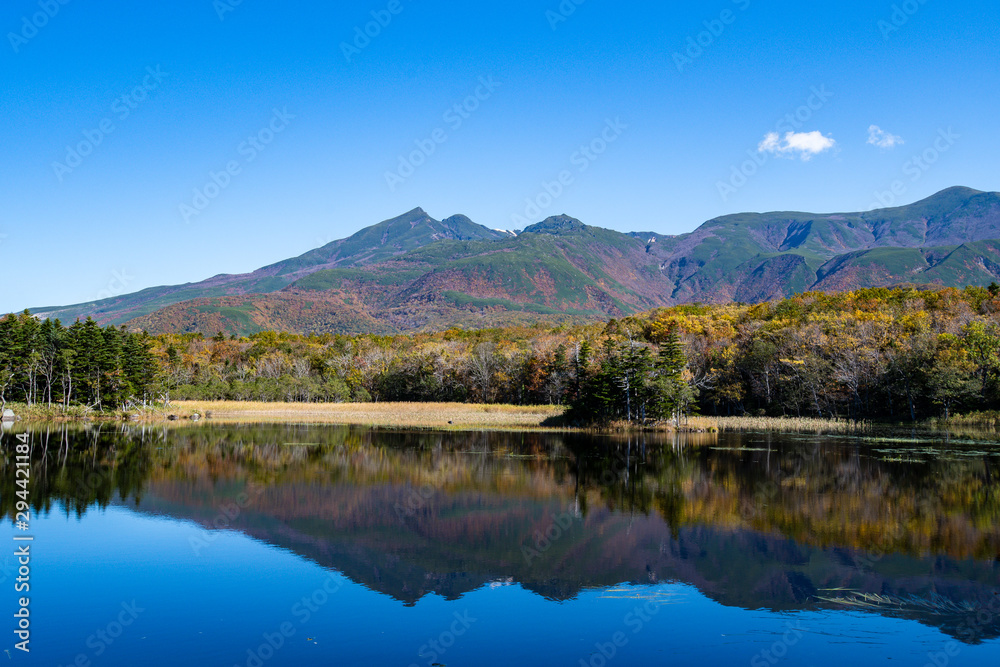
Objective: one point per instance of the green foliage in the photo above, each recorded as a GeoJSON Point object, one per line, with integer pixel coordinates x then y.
{"type": "Point", "coordinates": [333, 279]}
{"type": "Point", "coordinates": [900, 353]}
{"type": "Point", "coordinates": [633, 384]}
{"type": "Point", "coordinates": [46, 363]}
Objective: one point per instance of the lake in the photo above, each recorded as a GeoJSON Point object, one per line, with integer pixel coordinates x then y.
{"type": "Point", "coordinates": [258, 545]}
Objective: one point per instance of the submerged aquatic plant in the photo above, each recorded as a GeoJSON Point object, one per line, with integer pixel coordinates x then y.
{"type": "Point", "coordinates": [935, 604]}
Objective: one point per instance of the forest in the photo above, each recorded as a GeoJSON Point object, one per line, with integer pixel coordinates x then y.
{"type": "Point", "coordinates": [901, 354]}
{"type": "Point", "coordinates": [45, 363]}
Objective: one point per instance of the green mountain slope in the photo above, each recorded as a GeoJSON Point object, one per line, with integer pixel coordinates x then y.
{"type": "Point", "coordinates": [720, 259]}
{"type": "Point", "coordinates": [417, 273]}
{"type": "Point", "coordinates": [372, 244]}
{"type": "Point", "coordinates": [557, 270]}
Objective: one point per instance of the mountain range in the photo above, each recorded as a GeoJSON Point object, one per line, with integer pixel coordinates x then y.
{"type": "Point", "coordinates": [415, 273]}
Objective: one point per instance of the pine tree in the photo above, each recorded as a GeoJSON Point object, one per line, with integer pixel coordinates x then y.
{"type": "Point", "coordinates": [669, 387]}
{"type": "Point", "coordinates": [91, 358]}
{"type": "Point", "coordinates": [8, 326]}
{"type": "Point", "coordinates": [140, 366]}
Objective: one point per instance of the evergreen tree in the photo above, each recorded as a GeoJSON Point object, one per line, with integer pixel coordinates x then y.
{"type": "Point", "coordinates": [668, 381]}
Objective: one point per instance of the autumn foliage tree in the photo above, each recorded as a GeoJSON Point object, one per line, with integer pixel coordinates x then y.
{"type": "Point", "coordinates": [897, 354]}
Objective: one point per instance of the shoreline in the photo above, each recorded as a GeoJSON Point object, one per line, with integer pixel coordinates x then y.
{"type": "Point", "coordinates": [443, 416]}
{"type": "Point", "coordinates": [431, 416]}
{"type": "Point", "coordinates": [464, 417]}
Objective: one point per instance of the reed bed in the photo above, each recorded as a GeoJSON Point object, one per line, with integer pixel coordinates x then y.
{"type": "Point", "coordinates": [42, 412]}
{"type": "Point", "coordinates": [987, 420]}
{"type": "Point", "coordinates": [417, 415]}
{"type": "Point", "coordinates": [781, 425]}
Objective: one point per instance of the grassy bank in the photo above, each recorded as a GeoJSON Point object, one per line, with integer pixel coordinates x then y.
{"type": "Point", "coordinates": [422, 415]}
{"type": "Point", "coordinates": [454, 416]}
{"type": "Point", "coordinates": [988, 420]}
{"type": "Point", "coordinates": [418, 415]}
{"type": "Point", "coordinates": [781, 425]}
{"type": "Point", "coordinates": [75, 413]}
{"type": "Point", "coordinates": [430, 415]}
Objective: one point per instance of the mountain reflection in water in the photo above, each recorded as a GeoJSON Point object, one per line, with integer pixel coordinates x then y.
{"type": "Point", "coordinates": [771, 522]}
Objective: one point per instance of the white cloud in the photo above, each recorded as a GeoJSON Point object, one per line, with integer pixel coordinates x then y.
{"type": "Point", "coordinates": [879, 137]}
{"type": "Point", "coordinates": [770, 144]}
{"type": "Point", "coordinates": [804, 144]}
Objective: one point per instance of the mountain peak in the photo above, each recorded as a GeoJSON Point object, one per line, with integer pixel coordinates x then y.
{"type": "Point", "coordinates": [957, 191]}
{"type": "Point", "coordinates": [947, 200]}
{"type": "Point", "coordinates": [458, 220]}
{"type": "Point", "coordinates": [557, 224]}
{"type": "Point", "coordinates": [416, 215]}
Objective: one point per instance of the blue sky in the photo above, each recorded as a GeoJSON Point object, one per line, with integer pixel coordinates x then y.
{"type": "Point", "coordinates": [658, 116]}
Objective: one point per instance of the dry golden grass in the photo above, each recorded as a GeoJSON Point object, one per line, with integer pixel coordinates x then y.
{"type": "Point", "coordinates": [986, 420]}
{"type": "Point", "coordinates": [779, 424]}
{"type": "Point", "coordinates": [417, 415]}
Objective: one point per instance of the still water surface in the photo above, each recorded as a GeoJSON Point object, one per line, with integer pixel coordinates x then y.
{"type": "Point", "coordinates": [326, 545]}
